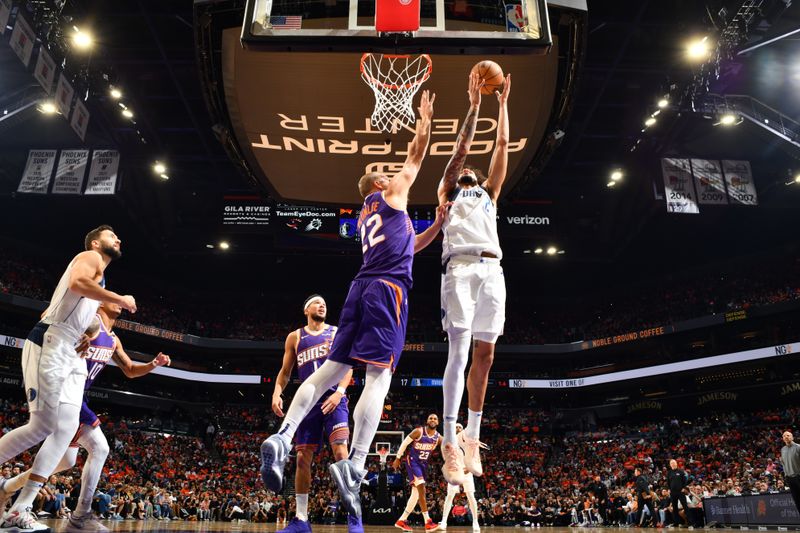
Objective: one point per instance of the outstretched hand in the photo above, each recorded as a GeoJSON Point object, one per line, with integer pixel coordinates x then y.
{"type": "Point", "coordinates": [503, 97]}
{"type": "Point", "coordinates": [441, 213]}
{"type": "Point", "coordinates": [426, 105]}
{"type": "Point", "coordinates": [476, 83]}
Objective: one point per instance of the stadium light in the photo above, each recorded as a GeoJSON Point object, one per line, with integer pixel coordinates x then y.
{"type": "Point", "coordinates": [552, 250]}
{"type": "Point", "coordinates": [616, 175]}
{"type": "Point", "coordinates": [48, 108]}
{"type": "Point", "coordinates": [223, 245]}
{"type": "Point", "coordinates": [797, 178]}
{"type": "Point", "coordinates": [115, 93]}
{"type": "Point", "coordinates": [650, 121]}
{"type": "Point", "coordinates": [164, 177]}
{"type": "Point", "coordinates": [159, 167]}
{"type": "Point", "coordinates": [664, 102]}
{"type": "Point", "coordinates": [82, 40]}
{"type": "Point", "coordinates": [538, 251]}
{"type": "Point", "coordinates": [698, 50]}
{"type": "Point", "coordinates": [611, 183]}
{"type": "Point", "coordinates": [127, 113]}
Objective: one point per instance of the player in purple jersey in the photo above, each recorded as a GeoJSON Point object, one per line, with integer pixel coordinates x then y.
{"type": "Point", "coordinates": [372, 323]}
{"type": "Point", "coordinates": [423, 441]}
{"type": "Point", "coordinates": [104, 347]}
{"type": "Point", "coordinates": [308, 347]}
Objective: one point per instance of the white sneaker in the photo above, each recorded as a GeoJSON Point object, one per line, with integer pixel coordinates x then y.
{"type": "Point", "coordinates": [22, 522]}
{"type": "Point", "coordinates": [453, 468]}
{"type": "Point", "coordinates": [88, 523]}
{"type": "Point", "coordinates": [441, 527]}
{"type": "Point", "coordinates": [472, 453]}
{"type": "Point", "coordinates": [476, 528]}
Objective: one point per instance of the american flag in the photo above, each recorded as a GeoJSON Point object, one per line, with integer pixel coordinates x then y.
{"type": "Point", "coordinates": [291, 22]}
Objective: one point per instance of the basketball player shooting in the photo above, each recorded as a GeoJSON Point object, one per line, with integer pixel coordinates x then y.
{"type": "Point", "coordinates": [54, 372]}
{"type": "Point", "coordinates": [473, 292]}
{"type": "Point", "coordinates": [103, 346]}
{"type": "Point", "coordinates": [372, 322]}
{"type": "Point", "coordinates": [308, 347]}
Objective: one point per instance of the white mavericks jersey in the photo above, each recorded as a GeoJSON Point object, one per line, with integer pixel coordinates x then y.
{"type": "Point", "coordinates": [471, 227]}
{"type": "Point", "coordinates": [69, 311]}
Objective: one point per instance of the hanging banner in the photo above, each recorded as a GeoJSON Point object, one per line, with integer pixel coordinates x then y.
{"type": "Point", "coordinates": [80, 119]}
{"type": "Point", "coordinates": [5, 14]}
{"type": "Point", "coordinates": [45, 71]}
{"type": "Point", "coordinates": [70, 171]}
{"type": "Point", "coordinates": [64, 94]}
{"type": "Point", "coordinates": [22, 39]}
{"type": "Point", "coordinates": [709, 182]}
{"type": "Point", "coordinates": [38, 170]}
{"type": "Point", "coordinates": [678, 186]}
{"type": "Point", "coordinates": [739, 179]}
{"type": "Point", "coordinates": [103, 172]}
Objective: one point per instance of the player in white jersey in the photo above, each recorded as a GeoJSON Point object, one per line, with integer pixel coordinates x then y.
{"type": "Point", "coordinates": [54, 372]}
{"type": "Point", "coordinates": [473, 288]}
{"type": "Point", "coordinates": [454, 490]}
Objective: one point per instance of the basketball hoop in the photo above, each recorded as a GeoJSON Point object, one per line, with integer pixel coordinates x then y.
{"type": "Point", "coordinates": [394, 79]}
{"type": "Point", "coordinates": [383, 453]}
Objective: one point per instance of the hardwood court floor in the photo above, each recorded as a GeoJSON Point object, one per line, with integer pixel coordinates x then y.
{"type": "Point", "coordinates": [154, 526]}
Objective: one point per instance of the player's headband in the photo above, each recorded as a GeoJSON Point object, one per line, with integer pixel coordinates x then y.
{"type": "Point", "coordinates": [311, 299]}
{"type": "Point", "coordinates": [459, 426]}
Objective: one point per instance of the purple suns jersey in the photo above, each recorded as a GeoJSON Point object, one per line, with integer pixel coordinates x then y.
{"type": "Point", "coordinates": [422, 447]}
{"type": "Point", "coordinates": [387, 241]}
{"type": "Point", "coordinates": [312, 350]}
{"type": "Point", "coordinates": [101, 348]}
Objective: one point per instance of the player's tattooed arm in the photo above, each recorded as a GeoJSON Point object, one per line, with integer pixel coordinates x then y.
{"type": "Point", "coordinates": [464, 140]}
{"type": "Point", "coordinates": [289, 357]}
{"type": "Point", "coordinates": [132, 369]}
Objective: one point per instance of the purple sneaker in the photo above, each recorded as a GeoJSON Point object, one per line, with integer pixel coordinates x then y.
{"type": "Point", "coordinates": [354, 524]}
{"type": "Point", "coordinates": [296, 526]}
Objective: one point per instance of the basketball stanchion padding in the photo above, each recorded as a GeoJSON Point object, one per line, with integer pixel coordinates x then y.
{"type": "Point", "coordinates": [397, 16]}
{"type": "Point", "coordinates": [394, 80]}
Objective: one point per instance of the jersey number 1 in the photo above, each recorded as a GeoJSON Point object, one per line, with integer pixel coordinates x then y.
{"type": "Point", "coordinates": [370, 241]}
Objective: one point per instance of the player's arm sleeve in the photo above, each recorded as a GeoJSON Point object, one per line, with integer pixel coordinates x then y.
{"type": "Point", "coordinates": [406, 443]}
{"type": "Point", "coordinates": [289, 356]}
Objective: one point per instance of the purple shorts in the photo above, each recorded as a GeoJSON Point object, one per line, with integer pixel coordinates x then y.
{"type": "Point", "coordinates": [372, 324]}
{"type": "Point", "coordinates": [415, 472]}
{"type": "Point", "coordinates": [87, 419]}
{"type": "Point", "coordinates": [334, 425]}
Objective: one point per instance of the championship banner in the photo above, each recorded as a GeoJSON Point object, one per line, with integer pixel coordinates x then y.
{"type": "Point", "coordinates": [5, 14]}
{"type": "Point", "coordinates": [739, 179]}
{"type": "Point", "coordinates": [22, 39]}
{"type": "Point", "coordinates": [103, 172]}
{"type": "Point", "coordinates": [678, 186]}
{"type": "Point", "coordinates": [45, 70]}
{"type": "Point", "coordinates": [709, 182]}
{"type": "Point", "coordinates": [38, 170]}
{"type": "Point", "coordinates": [80, 119]}
{"type": "Point", "coordinates": [64, 94]}
{"type": "Point", "coordinates": [70, 171]}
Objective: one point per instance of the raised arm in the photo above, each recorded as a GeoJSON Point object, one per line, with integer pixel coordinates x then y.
{"type": "Point", "coordinates": [289, 357]}
{"type": "Point", "coordinates": [84, 279]}
{"type": "Point", "coordinates": [499, 164]}
{"type": "Point", "coordinates": [137, 370]}
{"type": "Point", "coordinates": [422, 240]}
{"type": "Point", "coordinates": [396, 193]}
{"type": "Point", "coordinates": [464, 141]}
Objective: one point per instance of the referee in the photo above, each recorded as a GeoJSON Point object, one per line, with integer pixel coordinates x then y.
{"type": "Point", "coordinates": [790, 459]}
{"type": "Point", "coordinates": [677, 481]}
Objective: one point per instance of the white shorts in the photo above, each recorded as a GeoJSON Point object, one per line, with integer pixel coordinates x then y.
{"type": "Point", "coordinates": [468, 486]}
{"type": "Point", "coordinates": [474, 296]}
{"type": "Point", "coordinates": [53, 372]}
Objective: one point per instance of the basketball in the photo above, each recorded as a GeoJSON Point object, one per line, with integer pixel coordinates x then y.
{"type": "Point", "coordinates": [492, 76]}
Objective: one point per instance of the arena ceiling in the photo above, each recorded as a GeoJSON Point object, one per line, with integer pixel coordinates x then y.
{"type": "Point", "coordinates": [635, 54]}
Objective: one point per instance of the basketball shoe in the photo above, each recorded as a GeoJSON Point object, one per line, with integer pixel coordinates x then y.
{"type": "Point", "coordinates": [430, 525]}
{"type": "Point", "coordinates": [87, 523]}
{"type": "Point", "coordinates": [472, 453]}
{"type": "Point", "coordinates": [22, 522]}
{"type": "Point", "coordinates": [296, 526]}
{"type": "Point", "coordinates": [348, 480]}
{"type": "Point", "coordinates": [354, 524]}
{"type": "Point", "coordinates": [274, 454]}
{"type": "Point", "coordinates": [402, 524]}
{"type": "Point", "coordinates": [453, 468]}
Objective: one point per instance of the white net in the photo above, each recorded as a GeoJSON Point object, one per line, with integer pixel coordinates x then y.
{"type": "Point", "coordinates": [394, 80]}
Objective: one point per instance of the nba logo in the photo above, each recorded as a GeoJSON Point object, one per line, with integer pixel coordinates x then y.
{"type": "Point", "coordinates": [515, 18]}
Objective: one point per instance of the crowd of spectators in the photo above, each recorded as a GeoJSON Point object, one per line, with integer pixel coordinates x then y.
{"type": "Point", "coordinates": [605, 313]}
{"type": "Point", "coordinates": [535, 473]}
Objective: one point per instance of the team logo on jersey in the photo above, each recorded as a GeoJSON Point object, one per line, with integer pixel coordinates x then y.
{"type": "Point", "coordinates": [31, 394]}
